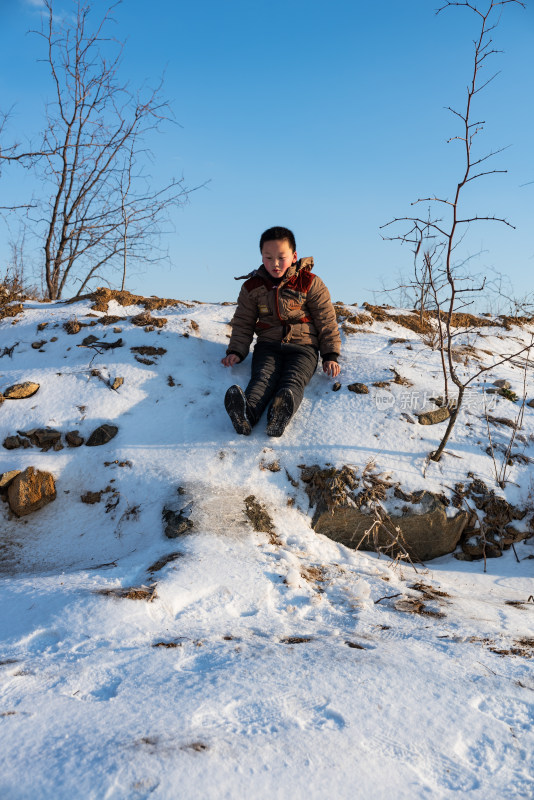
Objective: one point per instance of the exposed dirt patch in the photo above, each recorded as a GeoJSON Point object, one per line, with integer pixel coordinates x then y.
{"type": "Point", "coordinates": [101, 298]}
{"type": "Point", "coordinates": [131, 593]}
{"type": "Point", "coordinates": [258, 515]}
{"type": "Point", "coordinates": [94, 497]}
{"type": "Point", "coordinates": [162, 562]}
{"type": "Point", "coordinates": [168, 644]}
{"type": "Point", "coordinates": [295, 639]}
{"type": "Point", "coordinates": [110, 319]}
{"type": "Point", "coordinates": [145, 319]}
{"type": "Point", "coordinates": [413, 605]}
{"type": "Point", "coordinates": [428, 592]}
{"type": "Point", "coordinates": [521, 647]}
{"type": "Point", "coordinates": [148, 350]}
{"type": "Point", "coordinates": [313, 574]}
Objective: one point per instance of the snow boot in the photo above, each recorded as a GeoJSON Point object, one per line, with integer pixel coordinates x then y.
{"type": "Point", "coordinates": [235, 404]}
{"type": "Point", "coordinates": [280, 412]}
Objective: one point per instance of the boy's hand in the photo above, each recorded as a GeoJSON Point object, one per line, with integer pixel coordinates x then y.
{"type": "Point", "coordinates": [331, 368]}
{"type": "Point", "coordinates": [231, 360]}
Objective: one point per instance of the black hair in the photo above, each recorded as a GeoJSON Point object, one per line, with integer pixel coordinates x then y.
{"type": "Point", "coordinates": [271, 234]}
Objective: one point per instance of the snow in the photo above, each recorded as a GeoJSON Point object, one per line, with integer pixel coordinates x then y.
{"type": "Point", "coordinates": [264, 666]}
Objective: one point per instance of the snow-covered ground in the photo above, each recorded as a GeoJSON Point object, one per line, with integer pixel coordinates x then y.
{"type": "Point", "coordinates": [258, 665]}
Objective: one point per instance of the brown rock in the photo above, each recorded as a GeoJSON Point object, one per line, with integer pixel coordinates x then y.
{"type": "Point", "coordinates": [358, 388]}
{"type": "Point", "coordinates": [102, 435]}
{"type": "Point", "coordinates": [74, 439]}
{"type": "Point", "coordinates": [427, 535]}
{"type": "Point", "coordinates": [38, 345]}
{"type": "Point", "coordinates": [502, 384]}
{"type": "Point", "coordinates": [336, 387]}
{"type": "Point", "coordinates": [6, 478]}
{"type": "Point", "coordinates": [435, 416]}
{"type": "Point", "coordinates": [12, 442]}
{"type": "Point", "coordinates": [30, 491]}
{"type": "Point", "coordinates": [89, 340]}
{"type": "Point", "coordinates": [146, 319]}
{"type": "Point", "coordinates": [45, 438]}
{"type": "Point", "coordinates": [117, 383]}
{"type": "Point", "coordinates": [19, 391]}
{"type": "Point", "coordinates": [476, 548]}
{"type": "Point", "coordinates": [530, 403]}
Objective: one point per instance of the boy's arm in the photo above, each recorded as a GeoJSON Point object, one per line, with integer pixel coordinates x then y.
{"type": "Point", "coordinates": [243, 324]}
{"type": "Point", "coordinates": [323, 315]}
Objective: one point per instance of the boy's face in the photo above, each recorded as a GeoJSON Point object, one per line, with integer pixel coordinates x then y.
{"type": "Point", "coordinates": [277, 257]}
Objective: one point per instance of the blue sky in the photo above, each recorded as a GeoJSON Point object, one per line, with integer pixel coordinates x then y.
{"type": "Point", "coordinates": [327, 118]}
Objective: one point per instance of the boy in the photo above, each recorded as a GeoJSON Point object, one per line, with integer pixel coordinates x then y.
{"type": "Point", "coordinates": [290, 310]}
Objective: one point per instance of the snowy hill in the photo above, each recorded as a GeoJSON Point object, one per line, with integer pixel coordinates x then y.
{"type": "Point", "coordinates": [229, 662]}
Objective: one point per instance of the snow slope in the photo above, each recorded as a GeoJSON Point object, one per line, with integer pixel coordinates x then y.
{"type": "Point", "coordinates": [261, 665]}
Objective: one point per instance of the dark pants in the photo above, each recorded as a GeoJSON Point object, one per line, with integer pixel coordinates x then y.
{"type": "Point", "coordinates": [277, 366]}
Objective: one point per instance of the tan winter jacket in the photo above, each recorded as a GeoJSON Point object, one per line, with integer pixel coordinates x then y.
{"type": "Point", "coordinates": [297, 310]}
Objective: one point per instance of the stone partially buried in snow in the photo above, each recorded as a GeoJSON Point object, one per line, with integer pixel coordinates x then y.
{"type": "Point", "coordinates": [19, 391]}
{"type": "Point", "coordinates": [102, 435]}
{"type": "Point", "coordinates": [435, 416]}
{"type": "Point", "coordinates": [358, 388]}
{"type": "Point", "coordinates": [424, 535]}
{"type": "Point", "coordinates": [74, 439]}
{"type": "Point", "coordinates": [6, 478]}
{"type": "Point", "coordinates": [30, 491]}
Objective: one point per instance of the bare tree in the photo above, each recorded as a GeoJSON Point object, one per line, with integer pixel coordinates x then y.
{"type": "Point", "coordinates": [435, 239]}
{"type": "Point", "coordinates": [99, 208]}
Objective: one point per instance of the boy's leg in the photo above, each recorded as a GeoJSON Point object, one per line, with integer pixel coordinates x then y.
{"type": "Point", "coordinates": [300, 363]}
{"type": "Point", "coordinates": [266, 369]}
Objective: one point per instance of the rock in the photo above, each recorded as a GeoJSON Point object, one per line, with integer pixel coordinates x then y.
{"type": "Point", "coordinates": [358, 388]}
{"type": "Point", "coordinates": [177, 522]}
{"type": "Point", "coordinates": [45, 438]}
{"type": "Point", "coordinates": [142, 360]}
{"type": "Point", "coordinates": [435, 416]}
{"type": "Point", "coordinates": [89, 340]}
{"type": "Point", "coordinates": [511, 535]}
{"type": "Point", "coordinates": [336, 387]}
{"type": "Point", "coordinates": [475, 547]}
{"type": "Point", "coordinates": [502, 384]}
{"type": "Point", "coordinates": [117, 383]}
{"type": "Point", "coordinates": [117, 330]}
{"type": "Point", "coordinates": [19, 391]}
{"type": "Point", "coordinates": [74, 439]}
{"type": "Point", "coordinates": [6, 478]}
{"type": "Point", "coordinates": [38, 345]}
{"type": "Point", "coordinates": [30, 491]}
{"type": "Point", "coordinates": [530, 403]}
{"type": "Point", "coordinates": [425, 535]}
{"type": "Point", "coordinates": [102, 435]}
{"type": "Point", "coordinates": [145, 319]}
{"type": "Point", "coordinates": [12, 442]}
